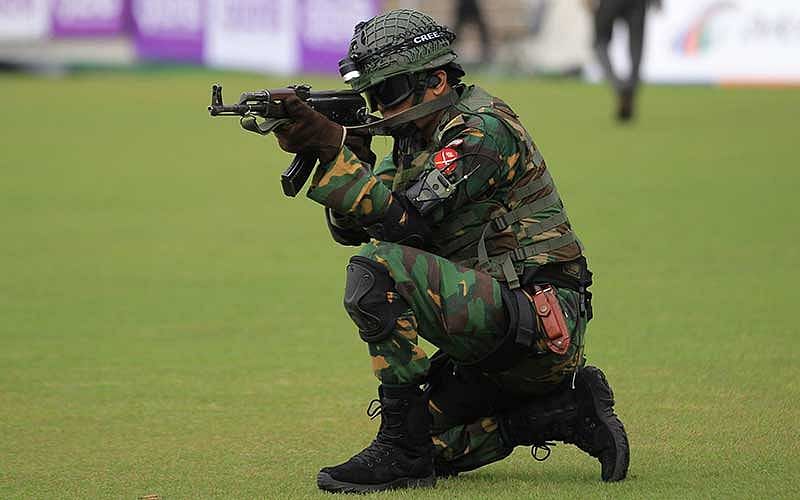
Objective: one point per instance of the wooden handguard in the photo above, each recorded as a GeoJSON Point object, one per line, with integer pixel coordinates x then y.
{"type": "Point", "coordinates": [551, 319]}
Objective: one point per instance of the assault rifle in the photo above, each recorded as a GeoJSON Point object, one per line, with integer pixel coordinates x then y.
{"type": "Point", "coordinates": [262, 112]}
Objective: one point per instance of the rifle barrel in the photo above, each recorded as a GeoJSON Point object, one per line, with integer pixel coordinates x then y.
{"type": "Point", "coordinates": [236, 109]}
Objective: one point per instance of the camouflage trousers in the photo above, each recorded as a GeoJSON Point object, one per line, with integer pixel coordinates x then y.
{"type": "Point", "coordinates": [460, 311]}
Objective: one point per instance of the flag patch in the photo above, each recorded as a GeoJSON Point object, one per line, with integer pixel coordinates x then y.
{"type": "Point", "coordinates": [445, 160]}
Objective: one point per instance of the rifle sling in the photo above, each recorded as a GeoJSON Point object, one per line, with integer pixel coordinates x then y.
{"type": "Point", "coordinates": [385, 126]}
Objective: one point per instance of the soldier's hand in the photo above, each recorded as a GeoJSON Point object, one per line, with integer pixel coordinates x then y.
{"type": "Point", "coordinates": [344, 229]}
{"type": "Point", "coordinates": [309, 131]}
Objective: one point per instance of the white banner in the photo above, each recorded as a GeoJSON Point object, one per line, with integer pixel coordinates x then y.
{"type": "Point", "coordinates": [560, 37]}
{"type": "Point", "coordinates": [721, 41]}
{"type": "Point", "coordinates": [24, 19]}
{"type": "Point", "coordinates": [252, 34]}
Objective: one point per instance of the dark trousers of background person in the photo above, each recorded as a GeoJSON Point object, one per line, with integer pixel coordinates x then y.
{"type": "Point", "coordinates": [469, 12]}
{"type": "Point", "coordinates": [633, 13]}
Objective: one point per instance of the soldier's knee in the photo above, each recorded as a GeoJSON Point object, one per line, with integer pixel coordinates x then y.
{"type": "Point", "coordinates": [370, 298]}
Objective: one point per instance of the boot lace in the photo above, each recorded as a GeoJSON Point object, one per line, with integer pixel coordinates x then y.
{"type": "Point", "coordinates": [545, 448]}
{"type": "Point", "coordinates": [560, 430]}
{"type": "Point", "coordinates": [378, 449]}
{"type": "Point", "coordinates": [374, 409]}
{"type": "Point", "coordinates": [374, 453]}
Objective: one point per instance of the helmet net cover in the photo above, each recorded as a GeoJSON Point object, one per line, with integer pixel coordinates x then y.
{"type": "Point", "coordinates": [400, 41]}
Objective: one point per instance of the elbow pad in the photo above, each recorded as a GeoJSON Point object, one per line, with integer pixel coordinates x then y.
{"type": "Point", "coordinates": [345, 230]}
{"type": "Point", "coordinates": [401, 223]}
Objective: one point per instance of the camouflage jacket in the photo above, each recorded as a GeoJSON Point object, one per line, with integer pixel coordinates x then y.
{"type": "Point", "coordinates": [504, 215]}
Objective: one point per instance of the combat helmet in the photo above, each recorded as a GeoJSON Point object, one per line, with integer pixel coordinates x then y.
{"type": "Point", "coordinates": [399, 42]}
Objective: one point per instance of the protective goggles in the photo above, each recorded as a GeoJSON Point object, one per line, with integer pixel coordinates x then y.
{"type": "Point", "coordinates": [392, 91]}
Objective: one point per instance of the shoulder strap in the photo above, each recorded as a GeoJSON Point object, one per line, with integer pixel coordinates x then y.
{"type": "Point", "coordinates": [528, 210]}
{"type": "Point", "coordinates": [385, 126]}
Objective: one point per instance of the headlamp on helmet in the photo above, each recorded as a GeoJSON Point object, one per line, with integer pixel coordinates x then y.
{"type": "Point", "coordinates": [349, 70]}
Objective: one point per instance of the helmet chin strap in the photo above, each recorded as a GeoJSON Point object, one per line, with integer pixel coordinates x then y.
{"type": "Point", "coordinates": [388, 126]}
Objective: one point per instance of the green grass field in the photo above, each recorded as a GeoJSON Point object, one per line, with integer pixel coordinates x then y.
{"type": "Point", "coordinates": [170, 324]}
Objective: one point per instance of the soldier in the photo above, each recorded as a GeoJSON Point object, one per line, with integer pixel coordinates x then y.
{"type": "Point", "coordinates": [470, 12]}
{"type": "Point", "coordinates": [632, 12]}
{"type": "Point", "coordinates": [467, 245]}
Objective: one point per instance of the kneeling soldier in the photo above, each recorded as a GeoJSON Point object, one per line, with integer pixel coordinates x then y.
{"type": "Point", "coordinates": [467, 245]}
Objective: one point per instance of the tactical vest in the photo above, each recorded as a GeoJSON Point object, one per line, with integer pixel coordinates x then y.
{"type": "Point", "coordinates": [503, 236]}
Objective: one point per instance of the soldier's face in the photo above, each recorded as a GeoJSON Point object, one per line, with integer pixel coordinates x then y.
{"type": "Point", "coordinates": [392, 93]}
{"type": "Point", "coordinates": [398, 108]}
{"type": "Point", "coordinates": [431, 93]}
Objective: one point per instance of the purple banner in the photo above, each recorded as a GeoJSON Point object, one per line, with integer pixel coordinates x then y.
{"type": "Point", "coordinates": [325, 28]}
{"type": "Point", "coordinates": [89, 17]}
{"type": "Point", "coordinates": [169, 29]}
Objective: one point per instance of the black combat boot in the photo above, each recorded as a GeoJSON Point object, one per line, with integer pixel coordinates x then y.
{"type": "Point", "coordinates": [625, 105]}
{"type": "Point", "coordinates": [401, 456]}
{"type": "Point", "coordinates": [584, 417]}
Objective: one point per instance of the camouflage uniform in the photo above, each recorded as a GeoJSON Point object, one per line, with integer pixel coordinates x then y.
{"type": "Point", "coordinates": [453, 288]}
{"type": "Point", "coordinates": [471, 249]}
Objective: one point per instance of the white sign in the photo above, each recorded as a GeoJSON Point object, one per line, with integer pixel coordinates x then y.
{"type": "Point", "coordinates": [24, 19]}
{"type": "Point", "coordinates": [722, 41]}
{"type": "Point", "coordinates": [252, 34]}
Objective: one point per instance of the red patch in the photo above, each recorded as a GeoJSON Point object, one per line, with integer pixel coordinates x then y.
{"type": "Point", "coordinates": [445, 160]}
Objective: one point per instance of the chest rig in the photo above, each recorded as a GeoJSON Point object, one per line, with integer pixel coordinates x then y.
{"type": "Point", "coordinates": [508, 234]}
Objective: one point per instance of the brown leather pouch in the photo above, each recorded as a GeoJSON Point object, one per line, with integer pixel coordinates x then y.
{"type": "Point", "coordinates": [551, 319]}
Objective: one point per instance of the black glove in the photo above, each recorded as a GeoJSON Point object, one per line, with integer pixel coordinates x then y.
{"type": "Point", "coordinates": [400, 223]}
{"type": "Point", "coordinates": [309, 131]}
{"type": "Point", "coordinates": [345, 230]}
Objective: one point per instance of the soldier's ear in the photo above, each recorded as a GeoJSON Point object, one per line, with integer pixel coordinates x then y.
{"type": "Point", "coordinates": [437, 82]}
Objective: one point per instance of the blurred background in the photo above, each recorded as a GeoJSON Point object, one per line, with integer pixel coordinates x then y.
{"type": "Point", "coordinates": [687, 41]}
{"type": "Point", "coordinates": [172, 325]}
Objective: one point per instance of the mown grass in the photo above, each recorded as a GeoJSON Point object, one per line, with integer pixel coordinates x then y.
{"type": "Point", "coordinates": [171, 324]}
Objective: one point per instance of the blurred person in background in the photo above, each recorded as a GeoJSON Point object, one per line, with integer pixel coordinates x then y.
{"type": "Point", "coordinates": [464, 241]}
{"type": "Point", "coordinates": [633, 13]}
{"type": "Point", "coordinates": [469, 12]}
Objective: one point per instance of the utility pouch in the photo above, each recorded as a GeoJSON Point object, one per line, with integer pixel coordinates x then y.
{"type": "Point", "coordinates": [551, 319]}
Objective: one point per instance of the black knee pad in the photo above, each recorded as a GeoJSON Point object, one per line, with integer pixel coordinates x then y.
{"type": "Point", "coordinates": [366, 299]}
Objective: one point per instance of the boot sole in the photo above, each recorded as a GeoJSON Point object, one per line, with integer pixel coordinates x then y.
{"type": "Point", "coordinates": [603, 401]}
{"type": "Point", "coordinates": [327, 483]}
